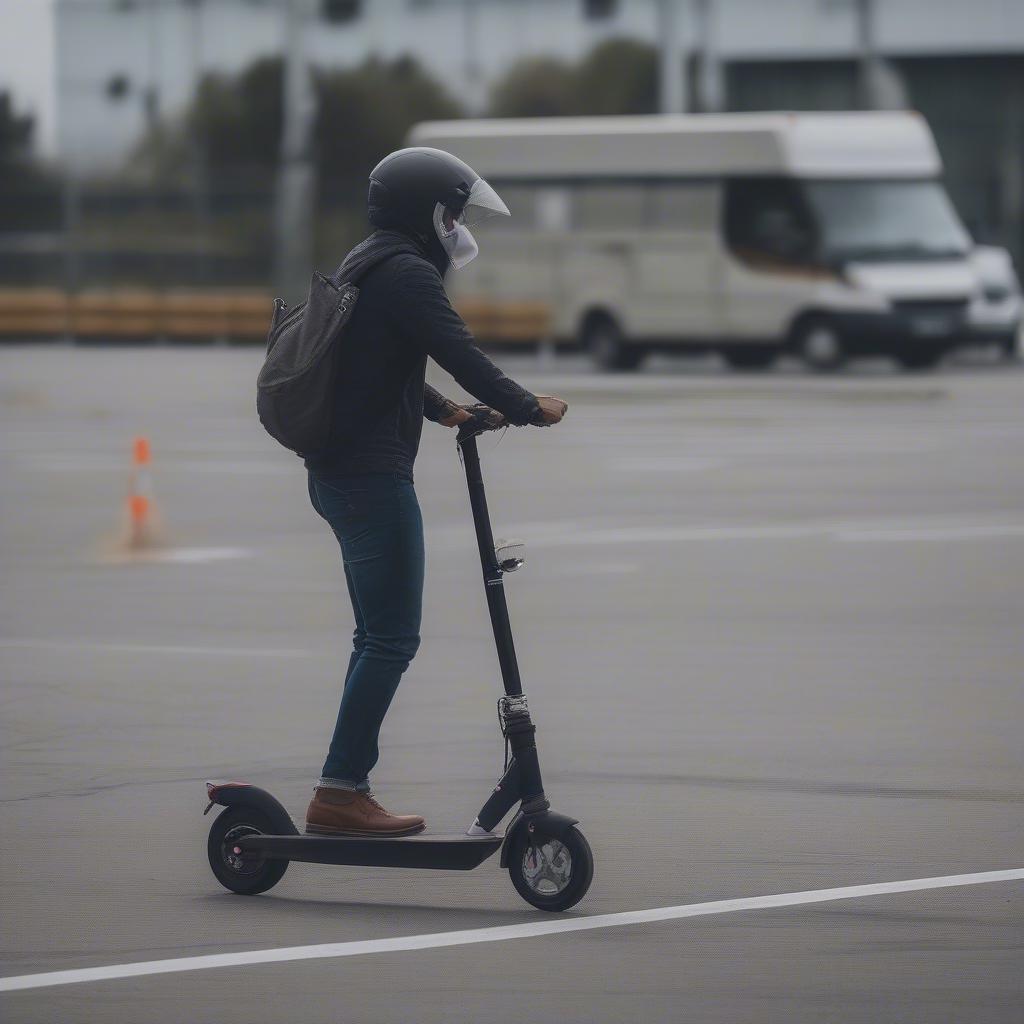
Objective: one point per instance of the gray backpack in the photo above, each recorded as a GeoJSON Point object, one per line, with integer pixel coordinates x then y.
{"type": "Point", "coordinates": [296, 388]}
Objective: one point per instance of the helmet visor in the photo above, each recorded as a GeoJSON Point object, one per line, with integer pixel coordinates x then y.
{"type": "Point", "coordinates": [482, 204]}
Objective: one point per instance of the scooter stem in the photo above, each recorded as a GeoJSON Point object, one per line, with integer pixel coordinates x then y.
{"type": "Point", "coordinates": [493, 583]}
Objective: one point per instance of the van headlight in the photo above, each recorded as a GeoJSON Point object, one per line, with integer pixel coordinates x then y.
{"type": "Point", "coordinates": [995, 293]}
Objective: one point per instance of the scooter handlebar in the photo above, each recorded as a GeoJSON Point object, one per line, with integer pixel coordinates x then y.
{"type": "Point", "coordinates": [483, 419]}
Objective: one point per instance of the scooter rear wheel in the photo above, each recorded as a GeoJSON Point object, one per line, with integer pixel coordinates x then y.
{"type": "Point", "coordinates": [247, 875]}
{"type": "Point", "coordinates": [551, 873]}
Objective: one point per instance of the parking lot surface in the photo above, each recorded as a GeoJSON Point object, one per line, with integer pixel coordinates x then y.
{"type": "Point", "coordinates": [769, 626]}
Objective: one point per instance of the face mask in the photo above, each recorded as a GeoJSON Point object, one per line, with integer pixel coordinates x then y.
{"type": "Point", "coordinates": [458, 241]}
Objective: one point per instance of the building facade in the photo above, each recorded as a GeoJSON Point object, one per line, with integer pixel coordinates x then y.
{"type": "Point", "coordinates": [124, 63]}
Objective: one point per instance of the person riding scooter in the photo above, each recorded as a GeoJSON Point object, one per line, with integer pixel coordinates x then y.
{"type": "Point", "coordinates": [421, 202]}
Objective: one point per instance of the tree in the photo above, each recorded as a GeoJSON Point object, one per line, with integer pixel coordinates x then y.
{"type": "Point", "coordinates": [15, 135]}
{"type": "Point", "coordinates": [365, 112]}
{"type": "Point", "coordinates": [619, 76]}
{"type": "Point", "coordinates": [29, 195]}
{"type": "Point", "coordinates": [238, 121]}
{"type": "Point", "coordinates": [535, 87]}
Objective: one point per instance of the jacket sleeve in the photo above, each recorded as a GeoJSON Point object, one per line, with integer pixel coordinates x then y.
{"type": "Point", "coordinates": [435, 406]}
{"type": "Point", "coordinates": [428, 322]}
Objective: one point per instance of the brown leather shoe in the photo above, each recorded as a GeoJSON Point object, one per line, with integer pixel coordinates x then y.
{"type": "Point", "coordinates": [343, 812]}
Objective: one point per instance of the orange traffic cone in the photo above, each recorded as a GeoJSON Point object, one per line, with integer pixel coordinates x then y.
{"type": "Point", "coordinates": [141, 509]}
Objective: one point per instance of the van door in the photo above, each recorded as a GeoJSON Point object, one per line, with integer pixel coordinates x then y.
{"type": "Point", "coordinates": [651, 245]}
{"type": "Point", "coordinates": [510, 293]}
{"type": "Point", "coordinates": [678, 262]}
{"type": "Point", "coordinates": [596, 269]}
{"type": "Point", "coordinates": [769, 274]}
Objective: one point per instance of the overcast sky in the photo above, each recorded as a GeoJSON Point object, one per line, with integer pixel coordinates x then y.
{"type": "Point", "coordinates": [27, 64]}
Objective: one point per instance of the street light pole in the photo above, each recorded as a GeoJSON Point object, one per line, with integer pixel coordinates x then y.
{"type": "Point", "coordinates": [293, 234]}
{"type": "Point", "coordinates": [711, 94]}
{"type": "Point", "coordinates": [71, 191]}
{"type": "Point", "coordinates": [471, 69]}
{"type": "Point", "coordinates": [199, 155]}
{"type": "Point", "coordinates": [880, 85]}
{"type": "Point", "coordinates": [673, 70]}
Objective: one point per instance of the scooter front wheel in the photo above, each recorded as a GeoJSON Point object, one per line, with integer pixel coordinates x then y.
{"type": "Point", "coordinates": [234, 870]}
{"type": "Point", "coordinates": [551, 872]}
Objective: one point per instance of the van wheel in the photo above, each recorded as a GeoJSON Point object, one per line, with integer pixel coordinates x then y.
{"type": "Point", "coordinates": [603, 339]}
{"type": "Point", "coordinates": [760, 357]}
{"type": "Point", "coordinates": [817, 341]}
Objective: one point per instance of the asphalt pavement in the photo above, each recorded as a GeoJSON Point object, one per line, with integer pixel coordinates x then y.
{"type": "Point", "coordinates": [769, 626]}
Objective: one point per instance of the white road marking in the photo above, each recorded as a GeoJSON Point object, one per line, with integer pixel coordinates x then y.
{"type": "Point", "coordinates": [669, 534]}
{"type": "Point", "coordinates": [42, 644]}
{"type": "Point", "coordinates": [976, 531]}
{"type": "Point", "coordinates": [567, 534]}
{"type": "Point", "coordinates": [437, 940]}
{"type": "Point", "coordinates": [187, 556]}
{"type": "Point", "coordinates": [102, 463]}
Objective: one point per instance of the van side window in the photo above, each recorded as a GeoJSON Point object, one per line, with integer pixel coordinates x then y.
{"type": "Point", "coordinates": [686, 206]}
{"type": "Point", "coordinates": [609, 207]}
{"type": "Point", "coordinates": [554, 208]}
{"type": "Point", "coordinates": [766, 220]}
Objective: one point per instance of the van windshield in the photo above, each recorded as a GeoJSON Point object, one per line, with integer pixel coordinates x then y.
{"type": "Point", "coordinates": [885, 220]}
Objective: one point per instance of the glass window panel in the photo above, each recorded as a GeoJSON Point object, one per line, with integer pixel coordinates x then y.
{"type": "Point", "coordinates": [681, 205]}
{"type": "Point", "coordinates": [609, 207]}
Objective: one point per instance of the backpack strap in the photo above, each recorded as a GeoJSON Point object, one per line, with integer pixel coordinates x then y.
{"type": "Point", "coordinates": [362, 265]}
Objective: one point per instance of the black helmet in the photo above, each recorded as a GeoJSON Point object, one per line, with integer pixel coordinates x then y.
{"type": "Point", "coordinates": [412, 190]}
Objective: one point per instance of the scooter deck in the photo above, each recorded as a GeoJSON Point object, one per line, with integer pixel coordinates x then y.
{"type": "Point", "coordinates": [440, 852]}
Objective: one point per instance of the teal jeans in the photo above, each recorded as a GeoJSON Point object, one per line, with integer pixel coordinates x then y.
{"type": "Point", "coordinates": [377, 522]}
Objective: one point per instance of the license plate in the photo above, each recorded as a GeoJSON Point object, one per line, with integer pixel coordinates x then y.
{"type": "Point", "coordinates": [930, 326]}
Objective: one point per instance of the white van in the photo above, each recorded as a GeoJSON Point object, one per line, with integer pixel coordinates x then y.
{"type": "Point", "coordinates": [827, 235]}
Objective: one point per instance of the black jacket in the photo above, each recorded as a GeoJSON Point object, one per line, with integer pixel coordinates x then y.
{"type": "Point", "coordinates": [402, 316]}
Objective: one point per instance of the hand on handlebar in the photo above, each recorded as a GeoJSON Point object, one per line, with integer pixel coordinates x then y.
{"type": "Point", "coordinates": [484, 417]}
{"type": "Point", "coordinates": [456, 417]}
{"type": "Point", "coordinates": [480, 417]}
{"type": "Point", "coordinates": [551, 410]}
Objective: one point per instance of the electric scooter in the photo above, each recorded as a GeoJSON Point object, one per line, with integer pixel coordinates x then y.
{"type": "Point", "coordinates": [547, 857]}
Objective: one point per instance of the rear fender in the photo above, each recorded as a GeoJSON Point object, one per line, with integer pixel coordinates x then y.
{"type": "Point", "coordinates": [241, 794]}
{"type": "Point", "coordinates": [545, 823]}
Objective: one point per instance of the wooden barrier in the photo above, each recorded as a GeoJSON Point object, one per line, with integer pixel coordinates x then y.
{"type": "Point", "coordinates": [241, 315]}
{"type": "Point", "coordinates": [505, 320]}
{"type": "Point", "coordinates": [27, 313]}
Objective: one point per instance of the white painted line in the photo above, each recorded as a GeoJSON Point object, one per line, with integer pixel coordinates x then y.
{"type": "Point", "coordinates": [569, 533]}
{"type": "Point", "coordinates": [41, 644]}
{"type": "Point", "coordinates": [670, 534]}
{"type": "Point", "coordinates": [932, 533]}
{"type": "Point", "coordinates": [437, 940]}
{"type": "Point", "coordinates": [897, 531]}
{"type": "Point", "coordinates": [88, 463]}
{"type": "Point", "coordinates": [187, 556]}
